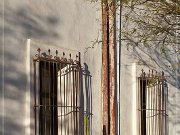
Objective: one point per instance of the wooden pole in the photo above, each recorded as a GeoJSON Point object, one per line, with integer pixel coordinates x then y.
{"type": "Point", "coordinates": [105, 69]}
{"type": "Point", "coordinates": [112, 75]}
{"type": "Point", "coordinates": [108, 66]}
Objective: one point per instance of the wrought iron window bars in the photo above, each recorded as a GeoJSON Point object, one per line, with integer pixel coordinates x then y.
{"type": "Point", "coordinates": [152, 103]}
{"type": "Point", "coordinates": [56, 94]}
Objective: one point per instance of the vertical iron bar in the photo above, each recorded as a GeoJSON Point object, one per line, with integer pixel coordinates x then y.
{"type": "Point", "coordinates": [34, 63]}
{"type": "Point", "coordinates": [159, 106]}
{"type": "Point", "coordinates": [78, 99]}
{"type": "Point", "coordinates": [56, 100]}
{"type": "Point", "coordinates": [75, 101]}
{"type": "Point", "coordinates": [146, 106]}
{"type": "Point", "coordinates": [156, 128]}
{"type": "Point", "coordinates": [66, 99]}
{"type": "Point", "coordinates": [166, 100]}
{"type": "Point", "coordinates": [150, 108]}
{"type": "Point", "coordinates": [152, 103]}
{"type": "Point", "coordinates": [68, 90]}
{"type": "Point", "coordinates": [139, 107]}
{"type": "Point", "coordinates": [53, 98]}
{"type": "Point", "coordinates": [142, 106]}
{"type": "Point", "coordinates": [153, 106]}
{"type": "Point", "coordinates": [38, 108]}
{"type": "Point", "coordinates": [163, 112]}
{"type": "Point", "coordinates": [71, 97]}
{"type": "Point", "coordinates": [41, 119]}
{"type": "Point", "coordinates": [64, 103]}
{"type": "Point", "coordinates": [44, 95]}
{"type": "Point", "coordinates": [60, 96]}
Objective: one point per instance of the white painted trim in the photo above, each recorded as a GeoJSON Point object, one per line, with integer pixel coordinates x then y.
{"type": "Point", "coordinates": [27, 99]}
{"type": "Point", "coordinates": [3, 64]}
{"type": "Point", "coordinates": [134, 100]}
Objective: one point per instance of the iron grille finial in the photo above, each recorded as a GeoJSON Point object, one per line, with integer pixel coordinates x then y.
{"type": "Point", "coordinates": [144, 74]}
{"type": "Point", "coordinates": [39, 51]}
{"type": "Point", "coordinates": [162, 73]}
{"type": "Point", "coordinates": [56, 53]}
{"type": "Point", "coordinates": [41, 55]}
{"type": "Point", "coordinates": [49, 51]}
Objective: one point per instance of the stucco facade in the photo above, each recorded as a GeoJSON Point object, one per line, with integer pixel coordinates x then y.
{"type": "Point", "coordinates": [72, 25]}
{"type": "Point", "coordinates": [134, 59]}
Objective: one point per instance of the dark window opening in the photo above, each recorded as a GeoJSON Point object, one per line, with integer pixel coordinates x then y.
{"type": "Point", "coordinates": [143, 84]}
{"type": "Point", "coordinates": [152, 100]}
{"type": "Point", "coordinates": [56, 94]}
{"type": "Point", "coordinates": [48, 98]}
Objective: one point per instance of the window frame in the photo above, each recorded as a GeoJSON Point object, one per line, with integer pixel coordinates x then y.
{"type": "Point", "coordinates": [152, 103]}
{"type": "Point", "coordinates": [74, 66]}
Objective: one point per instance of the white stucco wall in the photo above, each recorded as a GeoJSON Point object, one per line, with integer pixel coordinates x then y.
{"type": "Point", "coordinates": [69, 24]}
{"type": "Point", "coordinates": [132, 63]}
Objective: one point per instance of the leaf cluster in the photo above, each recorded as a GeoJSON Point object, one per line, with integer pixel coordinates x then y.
{"type": "Point", "coordinates": [153, 23]}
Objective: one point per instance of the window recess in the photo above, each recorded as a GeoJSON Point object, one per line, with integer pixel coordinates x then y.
{"type": "Point", "coordinates": [56, 94]}
{"type": "Point", "coordinates": [152, 103]}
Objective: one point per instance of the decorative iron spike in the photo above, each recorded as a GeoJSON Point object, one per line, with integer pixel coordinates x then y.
{"type": "Point", "coordinates": [56, 53]}
{"type": "Point", "coordinates": [76, 56]}
{"type": "Point", "coordinates": [144, 74]}
{"type": "Point", "coordinates": [63, 54]}
{"type": "Point", "coordinates": [149, 72]}
{"type": "Point", "coordinates": [162, 73]}
{"type": "Point", "coordinates": [70, 55]}
{"type": "Point", "coordinates": [49, 51]}
{"type": "Point", "coordinates": [39, 50]}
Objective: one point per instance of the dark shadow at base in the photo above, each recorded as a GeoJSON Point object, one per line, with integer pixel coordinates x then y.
{"type": "Point", "coordinates": [86, 101]}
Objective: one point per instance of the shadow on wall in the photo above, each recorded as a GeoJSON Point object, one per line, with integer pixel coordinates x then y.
{"type": "Point", "coordinates": [86, 101]}
{"type": "Point", "coordinates": [26, 23]}
{"type": "Point", "coordinates": [167, 62]}
{"type": "Point", "coordinates": [19, 24]}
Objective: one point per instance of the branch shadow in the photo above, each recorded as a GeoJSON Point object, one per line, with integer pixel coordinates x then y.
{"type": "Point", "coordinates": [19, 24]}
{"type": "Point", "coordinates": [86, 101]}
{"type": "Point", "coordinates": [153, 58]}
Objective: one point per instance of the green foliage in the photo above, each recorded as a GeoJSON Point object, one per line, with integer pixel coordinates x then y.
{"type": "Point", "coordinates": [153, 22]}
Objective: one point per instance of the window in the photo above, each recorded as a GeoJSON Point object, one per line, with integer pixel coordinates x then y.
{"type": "Point", "coordinates": [56, 94]}
{"type": "Point", "coordinates": [48, 119]}
{"type": "Point", "coordinates": [152, 99]}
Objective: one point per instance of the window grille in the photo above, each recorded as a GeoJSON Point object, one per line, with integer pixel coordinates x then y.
{"type": "Point", "coordinates": [56, 94]}
{"type": "Point", "coordinates": [152, 103]}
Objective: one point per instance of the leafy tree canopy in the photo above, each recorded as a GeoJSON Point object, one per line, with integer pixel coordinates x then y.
{"type": "Point", "coordinates": [152, 23]}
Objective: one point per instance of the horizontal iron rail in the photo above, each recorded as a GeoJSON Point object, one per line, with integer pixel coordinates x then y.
{"type": "Point", "coordinates": [56, 106]}
{"type": "Point", "coordinates": [53, 60]}
{"type": "Point", "coordinates": [150, 110]}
